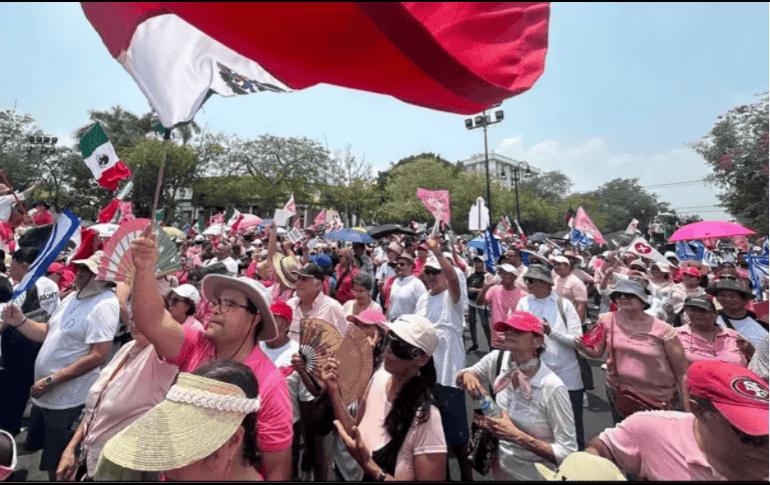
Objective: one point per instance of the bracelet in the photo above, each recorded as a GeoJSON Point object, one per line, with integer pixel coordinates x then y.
{"type": "Point", "coordinates": [22, 323]}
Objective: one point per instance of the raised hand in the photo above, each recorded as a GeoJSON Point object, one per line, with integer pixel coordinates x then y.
{"type": "Point", "coordinates": [144, 250]}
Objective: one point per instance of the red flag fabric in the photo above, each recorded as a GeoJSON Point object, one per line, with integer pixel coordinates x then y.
{"type": "Point", "coordinates": [437, 203]}
{"type": "Point", "coordinates": [460, 57]}
{"type": "Point", "coordinates": [108, 212]}
{"type": "Point", "coordinates": [584, 224]}
{"type": "Point", "coordinates": [522, 236]}
{"type": "Point", "coordinates": [86, 248]}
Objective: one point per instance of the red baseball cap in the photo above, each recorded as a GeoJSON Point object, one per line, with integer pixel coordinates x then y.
{"type": "Point", "coordinates": [735, 391]}
{"type": "Point", "coordinates": [281, 309]}
{"type": "Point", "coordinates": [523, 321]}
{"type": "Point", "coordinates": [55, 268]}
{"type": "Point", "coordinates": [691, 270]}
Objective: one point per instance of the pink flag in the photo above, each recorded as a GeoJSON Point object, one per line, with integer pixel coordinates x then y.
{"type": "Point", "coordinates": [218, 218]}
{"type": "Point", "coordinates": [126, 212]}
{"type": "Point", "coordinates": [584, 224]}
{"type": "Point", "coordinates": [437, 203]}
{"type": "Point", "coordinates": [297, 224]}
{"type": "Point", "coordinates": [741, 242]}
{"type": "Point", "coordinates": [319, 220]}
{"type": "Point", "coordinates": [291, 206]}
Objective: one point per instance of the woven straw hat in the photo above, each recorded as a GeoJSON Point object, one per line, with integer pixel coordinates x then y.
{"type": "Point", "coordinates": [582, 466]}
{"type": "Point", "coordinates": [198, 416]}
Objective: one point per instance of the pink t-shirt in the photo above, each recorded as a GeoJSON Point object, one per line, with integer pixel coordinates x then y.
{"type": "Point", "coordinates": [724, 347]}
{"type": "Point", "coordinates": [642, 363]}
{"type": "Point", "coordinates": [274, 432]}
{"type": "Point", "coordinates": [502, 302]}
{"type": "Point", "coordinates": [141, 385]}
{"type": "Point", "coordinates": [192, 323]}
{"type": "Point", "coordinates": [659, 445]}
{"type": "Point", "coordinates": [421, 439]}
{"type": "Point", "coordinates": [571, 288]}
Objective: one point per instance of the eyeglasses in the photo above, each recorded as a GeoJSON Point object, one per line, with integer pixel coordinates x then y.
{"type": "Point", "coordinates": [173, 301]}
{"type": "Point", "coordinates": [401, 349]}
{"type": "Point", "coordinates": [432, 272]}
{"type": "Point", "coordinates": [225, 304]}
{"type": "Point", "coordinates": [625, 295]}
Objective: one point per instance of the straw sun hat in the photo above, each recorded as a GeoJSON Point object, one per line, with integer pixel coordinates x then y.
{"type": "Point", "coordinates": [198, 416]}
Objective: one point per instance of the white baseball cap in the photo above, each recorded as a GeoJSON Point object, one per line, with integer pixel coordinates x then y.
{"type": "Point", "coordinates": [432, 262]}
{"type": "Point", "coordinates": [416, 330]}
{"type": "Point", "coordinates": [187, 291]}
{"type": "Point", "coordinates": [507, 267]}
{"type": "Point", "coordinates": [560, 259]}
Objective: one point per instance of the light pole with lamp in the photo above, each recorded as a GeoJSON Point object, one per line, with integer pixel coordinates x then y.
{"type": "Point", "coordinates": [516, 173]}
{"type": "Point", "coordinates": [482, 121]}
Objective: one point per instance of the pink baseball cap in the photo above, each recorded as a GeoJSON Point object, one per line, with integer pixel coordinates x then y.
{"type": "Point", "coordinates": [523, 321]}
{"type": "Point", "coordinates": [55, 268]}
{"type": "Point", "coordinates": [280, 308]}
{"type": "Point", "coordinates": [370, 317]}
{"type": "Point", "coordinates": [691, 270]}
{"type": "Point", "coordinates": [735, 391]}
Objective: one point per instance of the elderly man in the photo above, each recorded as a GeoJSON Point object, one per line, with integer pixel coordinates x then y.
{"type": "Point", "coordinates": [223, 253]}
{"type": "Point", "coordinates": [76, 341]}
{"type": "Point", "coordinates": [240, 318]}
{"type": "Point", "coordinates": [733, 298]}
{"type": "Point", "coordinates": [443, 305]}
{"type": "Point", "coordinates": [724, 438]}
{"type": "Point", "coordinates": [562, 324]}
{"type": "Point", "coordinates": [569, 286]}
{"type": "Point", "coordinates": [406, 288]}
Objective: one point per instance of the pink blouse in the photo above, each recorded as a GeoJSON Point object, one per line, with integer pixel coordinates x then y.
{"type": "Point", "coordinates": [724, 347]}
{"type": "Point", "coordinates": [642, 363]}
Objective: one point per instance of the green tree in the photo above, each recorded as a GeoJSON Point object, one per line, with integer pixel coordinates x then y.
{"type": "Point", "coordinates": [22, 167]}
{"type": "Point", "coordinates": [553, 186]}
{"type": "Point", "coordinates": [736, 150]}
{"type": "Point", "coordinates": [620, 201]}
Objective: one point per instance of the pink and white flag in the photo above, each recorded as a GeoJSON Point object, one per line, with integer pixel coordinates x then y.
{"type": "Point", "coordinates": [584, 224]}
{"type": "Point", "coordinates": [437, 203]}
{"type": "Point", "coordinates": [631, 229]}
{"type": "Point", "coordinates": [291, 206]}
{"type": "Point", "coordinates": [319, 220]}
{"type": "Point", "coordinates": [126, 212]}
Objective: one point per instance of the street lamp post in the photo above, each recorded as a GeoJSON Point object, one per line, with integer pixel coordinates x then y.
{"type": "Point", "coordinates": [516, 172]}
{"type": "Point", "coordinates": [482, 121]}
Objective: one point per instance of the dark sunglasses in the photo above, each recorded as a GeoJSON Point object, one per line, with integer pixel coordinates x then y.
{"type": "Point", "coordinates": [401, 349]}
{"type": "Point", "coordinates": [432, 272]}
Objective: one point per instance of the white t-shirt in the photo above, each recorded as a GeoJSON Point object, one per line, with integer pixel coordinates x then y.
{"type": "Point", "coordinates": [750, 329]}
{"type": "Point", "coordinates": [47, 295]}
{"type": "Point", "coordinates": [448, 318]}
{"type": "Point", "coordinates": [422, 439]}
{"type": "Point", "coordinates": [404, 294]}
{"type": "Point", "coordinates": [73, 327]}
{"type": "Point", "coordinates": [281, 357]}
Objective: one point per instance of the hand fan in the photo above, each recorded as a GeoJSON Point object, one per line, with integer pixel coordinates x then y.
{"type": "Point", "coordinates": [355, 357]}
{"type": "Point", "coordinates": [117, 265]}
{"type": "Point", "coordinates": [169, 260]}
{"type": "Point", "coordinates": [318, 342]}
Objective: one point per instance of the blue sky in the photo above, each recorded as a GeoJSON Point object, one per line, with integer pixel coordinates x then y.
{"type": "Point", "coordinates": [625, 86]}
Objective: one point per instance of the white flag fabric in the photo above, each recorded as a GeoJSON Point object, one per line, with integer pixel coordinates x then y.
{"type": "Point", "coordinates": [641, 247]}
{"type": "Point", "coordinates": [233, 218]}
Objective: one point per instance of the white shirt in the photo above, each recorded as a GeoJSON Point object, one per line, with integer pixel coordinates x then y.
{"type": "Point", "coordinates": [74, 326]}
{"type": "Point", "coordinates": [748, 327]}
{"type": "Point", "coordinates": [448, 317]}
{"type": "Point", "coordinates": [559, 353]}
{"type": "Point", "coordinates": [47, 295]}
{"type": "Point", "coordinates": [547, 417]}
{"type": "Point", "coordinates": [404, 294]}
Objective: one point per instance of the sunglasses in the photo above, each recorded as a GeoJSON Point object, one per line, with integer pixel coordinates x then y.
{"type": "Point", "coordinates": [432, 272]}
{"type": "Point", "coordinates": [401, 349]}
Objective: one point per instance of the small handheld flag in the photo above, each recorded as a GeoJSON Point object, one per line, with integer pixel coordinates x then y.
{"type": "Point", "coordinates": [100, 157]}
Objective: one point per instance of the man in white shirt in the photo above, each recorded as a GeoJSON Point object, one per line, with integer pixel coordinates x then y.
{"type": "Point", "coordinates": [406, 288]}
{"type": "Point", "coordinates": [76, 341]}
{"type": "Point", "coordinates": [559, 353]}
{"type": "Point", "coordinates": [733, 299]}
{"type": "Point", "coordinates": [223, 254]}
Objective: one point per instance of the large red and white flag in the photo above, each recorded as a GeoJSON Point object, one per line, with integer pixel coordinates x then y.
{"type": "Point", "coordinates": [291, 206]}
{"type": "Point", "coordinates": [584, 224]}
{"type": "Point", "coordinates": [641, 247]}
{"type": "Point", "coordinates": [179, 53]}
{"type": "Point", "coordinates": [437, 203]}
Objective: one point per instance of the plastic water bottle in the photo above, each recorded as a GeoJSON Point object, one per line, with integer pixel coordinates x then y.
{"type": "Point", "coordinates": [488, 406]}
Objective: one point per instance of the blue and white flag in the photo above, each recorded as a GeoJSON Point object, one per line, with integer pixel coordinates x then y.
{"type": "Point", "coordinates": [186, 228]}
{"type": "Point", "coordinates": [758, 269]}
{"type": "Point", "coordinates": [579, 238]}
{"type": "Point", "coordinates": [703, 255]}
{"type": "Point", "coordinates": [491, 250]}
{"type": "Point", "coordinates": [61, 233]}
{"type": "Point", "coordinates": [684, 252]}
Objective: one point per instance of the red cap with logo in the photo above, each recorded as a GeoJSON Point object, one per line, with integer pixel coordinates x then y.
{"type": "Point", "coordinates": [735, 391]}
{"type": "Point", "coordinates": [524, 321]}
{"type": "Point", "coordinates": [692, 271]}
{"type": "Point", "coordinates": [281, 309]}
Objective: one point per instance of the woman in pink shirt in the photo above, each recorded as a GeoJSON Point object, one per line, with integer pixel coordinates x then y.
{"type": "Point", "coordinates": [644, 353]}
{"type": "Point", "coordinates": [703, 339]}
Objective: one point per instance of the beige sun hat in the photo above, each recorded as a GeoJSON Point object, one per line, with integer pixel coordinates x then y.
{"type": "Point", "coordinates": [197, 417]}
{"type": "Point", "coordinates": [92, 262]}
{"type": "Point", "coordinates": [582, 466]}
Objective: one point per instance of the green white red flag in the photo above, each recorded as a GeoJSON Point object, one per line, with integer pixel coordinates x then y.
{"type": "Point", "coordinates": [100, 157]}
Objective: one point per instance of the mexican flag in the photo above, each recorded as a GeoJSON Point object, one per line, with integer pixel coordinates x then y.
{"type": "Point", "coordinates": [100, 157]}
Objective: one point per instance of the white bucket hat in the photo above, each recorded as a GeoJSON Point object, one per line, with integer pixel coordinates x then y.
{"type": "Point", "coordinates": [213, 284]}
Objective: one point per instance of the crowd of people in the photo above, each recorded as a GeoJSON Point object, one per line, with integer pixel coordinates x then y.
{"type": "Point", "coordinates": [199, 374]}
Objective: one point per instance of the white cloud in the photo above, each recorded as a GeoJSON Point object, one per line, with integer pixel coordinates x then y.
{"type": "Point", "coordinates": [592, 163]}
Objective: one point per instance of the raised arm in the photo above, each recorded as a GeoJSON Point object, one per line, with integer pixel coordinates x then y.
{"type": "Point", "coordinates": [453, 282]}
{"type": "Point", "coordinates": [150, 315]}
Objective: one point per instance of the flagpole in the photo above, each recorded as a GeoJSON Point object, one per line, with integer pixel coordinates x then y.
{"type": "Point", "coordinates": [166, 138]}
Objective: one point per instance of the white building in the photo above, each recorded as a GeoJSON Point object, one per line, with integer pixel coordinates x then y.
{"type": "Point", "coordinates": [500, 167]}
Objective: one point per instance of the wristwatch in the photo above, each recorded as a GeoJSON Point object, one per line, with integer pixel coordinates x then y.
{"type": "Point", "coordinates": [382, 476]}
{"type": "Point", "coordinates": [49, 381]}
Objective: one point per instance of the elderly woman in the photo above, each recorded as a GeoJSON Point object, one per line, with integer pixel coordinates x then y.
{"type": "Point", "coordinates": [346, 270]}
{"type": "Point", "coordinates": [180, 303]}
{"type": "Point", "coordinates": [397, 434]}
{"type": "Point", "coordinates": [536, 425]}
{"type": "Point", "coordinates": [645, 356]}
{"type": "Point", "coordinates": [134, 381]}
{"type": "Point", "coordinates": [362, 293]}
{"type": "Point", "coordinates": [205, 430]}
{"type": "Point", "coordinates": [703, 339]}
